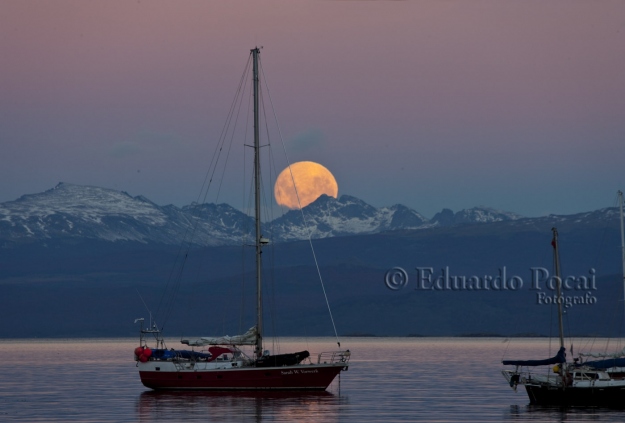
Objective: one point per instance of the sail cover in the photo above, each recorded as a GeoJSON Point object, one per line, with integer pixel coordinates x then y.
{"type": "Point", "coordinates": [559, 358]}
{"type": "Point", "coordinates": [248, 338]}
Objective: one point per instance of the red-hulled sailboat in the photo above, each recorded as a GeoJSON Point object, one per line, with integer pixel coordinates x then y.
{"type": "Point", "coordinates": [221, 363]}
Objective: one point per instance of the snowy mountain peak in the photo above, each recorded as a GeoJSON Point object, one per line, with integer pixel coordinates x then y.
{"type": "Point", "coordinates": [70, 211]}
{"type": "Point", "coordinates": [402, 217]}
{"type": "Point", "coordinates": [480, 214]}
{"type": "Point", "coordinates": [85, 202]}
{"type": "Point", "coordinates": [347, 215]}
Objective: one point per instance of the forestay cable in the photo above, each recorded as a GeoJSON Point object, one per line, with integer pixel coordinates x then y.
{"type": "Point", "coordinates": [300, 208]}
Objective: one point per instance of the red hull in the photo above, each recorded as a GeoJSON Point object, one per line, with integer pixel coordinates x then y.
{"type": "Point", "coordinates": [311, 377]}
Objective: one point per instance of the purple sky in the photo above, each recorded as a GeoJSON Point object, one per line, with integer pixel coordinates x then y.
{"type": "Point", "coordinates": [517, 105]}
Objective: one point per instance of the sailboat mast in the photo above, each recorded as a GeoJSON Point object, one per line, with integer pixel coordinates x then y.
{"type": "Point", "coordinates": [556, 260]}
{"type": "Point", "coordinates": [259, 311]}
{"type": "Point", "coordinates": [620, 202]}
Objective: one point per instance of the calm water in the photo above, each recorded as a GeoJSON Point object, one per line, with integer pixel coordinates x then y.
{"type": "Point", "coordinates": [390, 379]}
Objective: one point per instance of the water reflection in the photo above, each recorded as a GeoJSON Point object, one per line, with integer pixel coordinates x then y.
{"type": "Point", "coordinates": [390, 379]}
{"type": "Point", "coordinates": [560, 414]}
{"type": "Point", "coordinates": [240, 406]}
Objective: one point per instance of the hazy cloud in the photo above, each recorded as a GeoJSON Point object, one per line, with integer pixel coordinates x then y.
{"type": "Point", "coordinates": [124, 149]}
{"type": "Point", "coordinates": [307, 140]}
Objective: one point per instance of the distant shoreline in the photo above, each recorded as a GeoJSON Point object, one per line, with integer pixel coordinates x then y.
{"type": "Point", "coordinates": [348, 335]}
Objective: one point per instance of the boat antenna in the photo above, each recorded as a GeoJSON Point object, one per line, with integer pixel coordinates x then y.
{"type": "Point", "coordinates": [147, 308]}
{"type": "Point", "coordinates": [556, 263]}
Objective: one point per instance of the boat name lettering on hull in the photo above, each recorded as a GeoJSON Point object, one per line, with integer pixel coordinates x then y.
{"type": "Point", "coordinates": [295, 372]}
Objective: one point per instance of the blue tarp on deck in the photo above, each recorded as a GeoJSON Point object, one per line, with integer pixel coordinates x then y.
{"type": "Point", "coordinates": [606, 363]}
{"type": "Point", "coordinates": [190, 355]}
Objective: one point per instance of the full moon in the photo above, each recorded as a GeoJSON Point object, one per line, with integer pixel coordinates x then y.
{"type": "Point", "coordinates": [311, 179]}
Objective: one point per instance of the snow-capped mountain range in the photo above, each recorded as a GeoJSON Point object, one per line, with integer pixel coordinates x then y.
{"type": "Point", "coordinates": [74, 212]}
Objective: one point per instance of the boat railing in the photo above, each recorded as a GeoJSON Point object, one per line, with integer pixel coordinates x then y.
{"type": "Point", "coordinates": [523, 376]}
{"type": "Point", "coordinates": [332, 357]}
